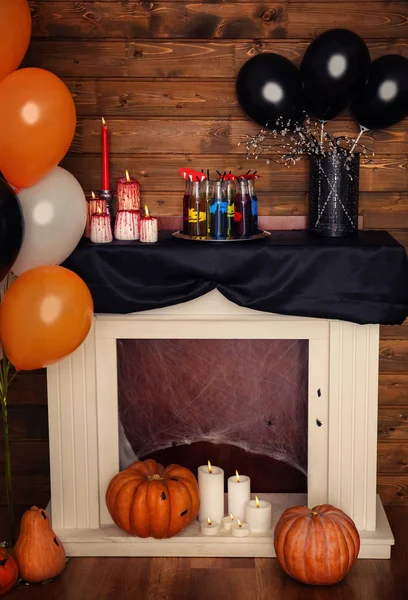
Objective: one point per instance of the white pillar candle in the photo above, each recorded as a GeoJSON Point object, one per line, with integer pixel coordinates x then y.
{"type": "Point", "coordinates": [209, 528]}
{"type": "Point", "coordinates": [100, 229]}
{"type": "Point", "coordinates": [240, 529]}
{"type": "Point", "coordinates": [258, 515]}
{"type": "Point", "coordinates": [228, 522]}
{"type": "Point", "coordinates": [239, 492]}
{"type": "Point", "coordinates": [126, 226]}
{"type": "Point", "coordinates": [211, 492]}
{"type": "Point", "coordinates": [148, 228]}
{"type": "Point", "coordinates": [94, 205]}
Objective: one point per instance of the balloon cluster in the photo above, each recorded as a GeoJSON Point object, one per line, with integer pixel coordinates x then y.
{"type": "Point", "coordinates": [336, 74]}
{"type": "Point", "coordinates": [47, 312]}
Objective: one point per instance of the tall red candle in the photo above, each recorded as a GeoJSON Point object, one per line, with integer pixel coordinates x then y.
{"type": "Point", "coordinates": [105, 156]}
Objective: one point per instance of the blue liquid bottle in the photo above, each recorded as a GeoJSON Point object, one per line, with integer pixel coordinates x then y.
{"type": "Point", "coordinates": [219, 212]}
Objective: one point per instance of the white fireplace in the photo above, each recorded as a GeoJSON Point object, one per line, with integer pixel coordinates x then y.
{"type": "Point", "coordinates": [342, 427]}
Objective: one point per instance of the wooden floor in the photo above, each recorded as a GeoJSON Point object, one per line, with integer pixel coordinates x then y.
{"type": "Point", "coordinates": [222, 578]}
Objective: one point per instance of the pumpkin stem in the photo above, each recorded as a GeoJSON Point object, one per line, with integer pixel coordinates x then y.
{"type": "Point", "coordinates": [156, 477]}
{"type": "Point", "coordinates": [314, 513]}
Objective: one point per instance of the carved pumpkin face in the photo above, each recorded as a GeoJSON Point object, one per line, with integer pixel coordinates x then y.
{"type": "Point", "coordinates": [149, 501]}
{"type": "Point", "coordinates": [318, 546]}
{"type": "Point", "coordinates": [8, 572]}
{"type": "Point", "coordinates": [39, 553]}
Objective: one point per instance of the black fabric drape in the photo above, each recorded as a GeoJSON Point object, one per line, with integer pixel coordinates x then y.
{"type": "Point", "coordinates": [363, 278]}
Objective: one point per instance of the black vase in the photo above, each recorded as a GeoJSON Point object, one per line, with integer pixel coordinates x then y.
{"type": "Point", "coordinates": [333, 194]}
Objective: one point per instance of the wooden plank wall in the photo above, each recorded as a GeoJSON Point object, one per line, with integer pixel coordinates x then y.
{"type": "Point", "coordinates": [163, 75]}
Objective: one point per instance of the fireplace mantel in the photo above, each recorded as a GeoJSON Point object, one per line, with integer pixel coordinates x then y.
{"type": "Point", "coordinates": [83, 418]}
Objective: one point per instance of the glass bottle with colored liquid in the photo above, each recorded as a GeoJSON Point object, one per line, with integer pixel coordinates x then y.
{"type": "Point", "coordinates": [231, 194]}
{"type": "Point", "coordinates": [243, 210]}
{"type": "Point", "coordinates": [218, 212]}
{"type": "Point", "coordinates": [196, 212]}
{"type": "Point", "coordinates": [186, 200]}
{"type": "Point", "coordinates": [207, 194]}
{"type": "Point", "coordinates": [254, 204]}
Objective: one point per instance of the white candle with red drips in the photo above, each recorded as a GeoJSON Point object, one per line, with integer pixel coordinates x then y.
{"type": "Point", "coordinates": [148, 228]}
{"type": "Point", "coordinates": [127, 225]}
{"type": "Point", "coordinates": [100, 228]}
{"type": "Point", "coordinates": [93, 205]}
{"type": "Point", "coordinates": [128, 192]}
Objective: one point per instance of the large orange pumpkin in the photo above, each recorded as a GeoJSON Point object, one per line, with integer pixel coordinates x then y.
{"type": "Point", "coordinates": [317, 546]}
{"type": "Point", "coordinates": [149, 500]}
{"type": "Point", "coordinates": [39, 553]}
{"type": "Point", "coordinates": [8, 572]}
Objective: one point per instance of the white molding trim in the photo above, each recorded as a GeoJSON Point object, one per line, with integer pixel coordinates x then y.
{"type": "Point", "coordinates": [83, 419]}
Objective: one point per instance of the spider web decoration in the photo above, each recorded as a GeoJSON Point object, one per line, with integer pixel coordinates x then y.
{"type": "Point", "coordinates": [248, 393]}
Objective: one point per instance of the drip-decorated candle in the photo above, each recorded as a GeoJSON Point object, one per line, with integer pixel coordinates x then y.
{"type": "Point", "coordinates": [128, 192]}
{"type": "Point", "coordinates": [148, 228]}
{"type": "Point", "coordinates": [94, 205]}
{"type": "Point", "coordinates": [127, 225]}
{"type": "Point", "coordinates": [100, 228]}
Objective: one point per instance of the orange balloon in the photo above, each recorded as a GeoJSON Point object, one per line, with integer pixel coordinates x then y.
{"type": "Point", "coordinates": [37, 125]}
{"type": "Point", "coordinates": [15, 33]}
{"type": "Point", "coordinates": [45, 315]}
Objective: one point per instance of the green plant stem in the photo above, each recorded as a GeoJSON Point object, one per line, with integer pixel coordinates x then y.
{"type": "Point", "coordinates": [5, 381]}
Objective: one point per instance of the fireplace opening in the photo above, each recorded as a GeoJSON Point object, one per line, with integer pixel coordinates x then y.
{"type": "Point", "coordinates": [242, 404]}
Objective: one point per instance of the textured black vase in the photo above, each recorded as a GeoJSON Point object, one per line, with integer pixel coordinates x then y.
{"type": "Point", "coordinates": [333, 194]}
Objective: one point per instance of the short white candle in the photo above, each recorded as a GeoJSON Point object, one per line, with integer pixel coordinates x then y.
{"type": "Point", "coordinates": [228, 522]}
{"type": "Point", "coordinates": [211, 492]}
{"type": "Point", "coordinates": [148, 228]}
{"type": "Point", "coordinates": [239, 492]}
{"type": "Point", "coordinates": [100, 228]}
{"type": "Point", "coordinates": [209, 528]}
{"type": "Point", "coordinates": [240, 529]}
{"type": "Point", "coordinates": [258, 515]}
{"type": "Point", "coordinates": [126, 226]}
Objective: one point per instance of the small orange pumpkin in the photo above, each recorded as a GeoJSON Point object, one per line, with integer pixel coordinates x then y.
{"type": "Point", "coordinates": [317, 546]}
{"type": "Point", "coordinates": [8, 572]}
{"type": "Point", "coordinates": [149, 500]}
{"type": "Point", "coordinates": [39, 553]}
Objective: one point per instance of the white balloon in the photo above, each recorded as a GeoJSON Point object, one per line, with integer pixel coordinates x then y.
{"type": "Point", "coordinates": [54, 212]}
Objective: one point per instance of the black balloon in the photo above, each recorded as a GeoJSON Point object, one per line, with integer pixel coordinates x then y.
{"type": "Point", "coordinates": [269, 87]}
{"type": "Point", "coordinates": [11, 228]}
{"type": "Point", "coordinates": [334, 72]}
{"type": "Point", "coordinates": [384, 100]}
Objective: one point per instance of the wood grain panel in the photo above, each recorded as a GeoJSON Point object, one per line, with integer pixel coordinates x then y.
{"type": "Point", "coordinates": [28, 422]}
{"type": "Point", "coordinates": [27, 457]}
{"type": "Point", "coordinates": [160, 172]}
{"type": "Point", "coordinates": [393, 389]}
{"type": "Point", "coordinates": [215, 20]}
{"type": "Point", "coordinates": [212, 136]}
{"type": "Point", "coordinates": [29, 387]}
{"type": "Point", "coordinates": [385, 221]}
{"type": "Point", "coordinates": [28, 490]}
{"type": "Point", "coordinates": [394, 356]}
{"type": "Point", "coordinates": [393, 489]}
{"type": "Point", "coordinates": [198, 99]}
{"type": "Point", "coordinates": [393, 423]}
{"type": "Point", "coordinates": [392, 457]}
{"type": "Point", "coordinates": [175, 59]}
{"type": "Point", "coordinates": [394, 332]}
